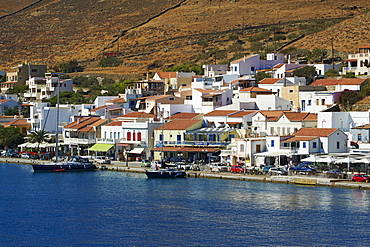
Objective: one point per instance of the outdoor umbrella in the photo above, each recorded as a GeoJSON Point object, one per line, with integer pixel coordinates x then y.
{"type": "Point", "coordinates": [312, 158]}
{"type": "Point", "coordinates": [363, 161]}
{"type": "Point", "coordinates": [327, 160]}
{"type": "Point", "coordinates": [348, 160]}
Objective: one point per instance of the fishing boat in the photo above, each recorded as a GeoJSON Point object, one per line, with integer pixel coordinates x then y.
{"type": "Point", "coordinates": [73, 165]}
{"type": "Point", "coordinates": [166, 171]}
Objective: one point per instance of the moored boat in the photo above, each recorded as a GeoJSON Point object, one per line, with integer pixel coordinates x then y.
{"type": "Point", "coordinates": [74, 164]}
{"type": "Point", "coordinates": [165, 172]}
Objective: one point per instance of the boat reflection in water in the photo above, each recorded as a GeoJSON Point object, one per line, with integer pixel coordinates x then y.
{"type": "Point", "coordinates": [74, 164]}
{"type": "Point", "coordinates": [167, 171]}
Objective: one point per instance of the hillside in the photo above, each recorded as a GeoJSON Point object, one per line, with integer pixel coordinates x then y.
{"type": "Point", "coordinates": [153, 35]}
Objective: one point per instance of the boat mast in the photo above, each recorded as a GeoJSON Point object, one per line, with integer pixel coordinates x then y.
{"type": "Point", "coordinates": [57, 132]}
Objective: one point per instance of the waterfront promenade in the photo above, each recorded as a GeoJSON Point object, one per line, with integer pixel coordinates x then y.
{"type": "Point", "coordinates": [309, 180]}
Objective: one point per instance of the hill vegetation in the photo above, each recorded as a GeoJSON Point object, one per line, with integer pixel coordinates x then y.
{"type": "Point", "coordinates": [153, 35]}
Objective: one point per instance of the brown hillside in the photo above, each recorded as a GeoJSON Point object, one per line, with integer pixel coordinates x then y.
{"type": "Point", "coordinates": [157, 34]}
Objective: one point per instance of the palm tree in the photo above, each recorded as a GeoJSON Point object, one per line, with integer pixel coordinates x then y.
{"type": "Point", "coordinates": [39, 136]}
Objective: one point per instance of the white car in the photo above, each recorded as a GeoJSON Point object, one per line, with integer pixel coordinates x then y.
{"type": "Point", "coordinates": [102, 160]}
{"type": "Point", "coordinates": [218, 167]}
{"type": "Point", "coordinates": [277, 171]}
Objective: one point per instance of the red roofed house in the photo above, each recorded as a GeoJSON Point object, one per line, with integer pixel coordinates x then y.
{"type": "Point", "coordinates": [6, 104]}
{"type": "Point", "coordinates": [341, 84]}
{"type": "Point", "coordinates": [21, 124]}
{"type": "Point", "coordinates": [81, 134]}
{"type": "Point", "coordinates": [317, 140]}
{"type": "Point", "coordinates": [358, 63]}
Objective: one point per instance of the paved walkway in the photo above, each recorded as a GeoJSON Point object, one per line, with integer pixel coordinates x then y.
{"type": "Point", "coordinates": [315, 180]}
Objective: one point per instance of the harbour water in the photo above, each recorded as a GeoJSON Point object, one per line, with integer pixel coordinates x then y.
{"type": "Point", "coordinates": [107, 208]}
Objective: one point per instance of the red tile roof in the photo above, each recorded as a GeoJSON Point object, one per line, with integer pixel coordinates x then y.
{"type": "Point", "coordinates": [164, 75]}
{"type": "Point", "coordinates": [269, 81]}
{"type": "Point", "coordinates": [17, 122]}
{"type": "Point", "coordinates": [85, 122]}
{"type": "Point", "coordinates": [301, 138]}
{"type": "Point", "coordinates": [321, 132]}
{"type": "Point", "coordinates": [364, 47]}
{"type": "Point", "coordinates": [137, 114]}
{"type": "Point", "coordinates": [184, 115]}
{"type": "Point", "coordinates": [342, 81]}
{"type": "Point", "coordinates": [4, 100]}
{"type": "Point", "coordinates": [179, 124]}
{"type": "Point", "coordinates": [221, 113]}
{"type": "Point", "coordinates": [241, 113]}
{"type": "Point", "coordinates": [117, 100]}
{"type": "Point", "coordinates": [300, 116]}
{"type": "Point", "coordinates": [115, 123]}
{"type": "Point", "coordinates": [256, 90]}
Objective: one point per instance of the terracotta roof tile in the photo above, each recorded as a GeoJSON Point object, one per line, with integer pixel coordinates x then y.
{"type": "Point", "coordinates": [300, 116]}
{"type": "Point", "coordinates": [184, 115]}
{"type": "Point", "coordinates": [164, 75]}
{"type": "Point", "coordinates": [342, 81]}
{"type": "Point", "coordinates": [269, 81]}
{"type": "Point", "coordinates": [301, 138]}
{"type": "Point", "coordinates": [241, 113]}
{"type": "Point", "coordinates": [179, 124]}
{"type": "Point", "coordinates": [17, 122]}
{"type": "Point", "coordinates": [322, 132]}
{"type": "Point", "coordinates": [221, 113]}
{"type": "Point", "coordinates": [115, 123]}
{"type": "Point", "coordinates": [136, 114]}
{"type": "Point", "coordinates": [256, 90]}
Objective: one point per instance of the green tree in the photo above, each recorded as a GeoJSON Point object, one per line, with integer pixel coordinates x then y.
{"type": "Point", "coordinates": [188, 67]}
{"type": "Point", "coordinates": [67, 97]}
{"type": "Point", "coordinates": [309, 72]}
{"type": "Point", "coordinates": [349, 75]}
{"type": "Point", "coordinates": [11, 111]}
{"type": "Point", "coordinates": [331, 73]}
{"type": "Point", "coordinates": [261, 75]}
{"type": "Point", "coordinates": [71, 66]}
{"type": "Point", "coordinates": [109, 62]}
{"type": "Point", "coordinates": [10, 137]}
{"type": "Point", "coordinates": [3, 78]}
{"type": "Point", "coordinates": [18, 89]}
{"type": "Point", "coordinates": [347, 98]}
{"type": "Point", "coordinates": [317, 55]}
{"type": "Point", "coordinates": [39, 136]}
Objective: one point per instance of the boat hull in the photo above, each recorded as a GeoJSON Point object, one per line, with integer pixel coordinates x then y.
{"type": "Point", "coordinates": [64, 167]}
{"type": "Point", "coordinates": [165, 174]}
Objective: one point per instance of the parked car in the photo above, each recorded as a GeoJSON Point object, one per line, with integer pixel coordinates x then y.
{"type": "Point", "coordinates": [27, 156]}
{"type": "Point", "coordinates": [218, 167]}
{"type": "Point", "coordinates": [335, 173]}
{"type": "Point", "coordinates": [10, 153]}
{"type": "Point", "coordinates": [145, 163]}
{"type": "Point", "coordinates": [277, 171]}
{"type": "Point", "coordinates": [102, 160]}
{"type": "Point", "coordinates": [266, 169]}
{"type": "Point", "coordinates": [304, 168]}
{"type": "Point", "coordinates": [237, 169]}
{"type": "Point", "coordinates": [360, 178]}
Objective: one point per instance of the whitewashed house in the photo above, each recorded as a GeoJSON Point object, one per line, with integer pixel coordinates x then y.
{"type": "Point", "coordinates": [356, 63]}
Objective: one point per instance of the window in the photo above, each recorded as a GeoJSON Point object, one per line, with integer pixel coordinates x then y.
{"type": "Point", "coordinates": [161, 137]}
{"type": "Point", "coordinates": [129, 136]}
{"type": "Point", "coordinates": [252, 68]}
{"type": "Point", "coordinates": [359, 137]}
{"type": "Point", "coordinates": [139, 136]}
{"type": "Point", "coordinates": [272, 130]}
{"type": "Point", "coordinates": [241, 147]}
{"type": "Point", "coordinates": [235, 69]}
{"type": "Point", "coordinates": [171, 98]}
{"type": "Point", "coordinates": [189, 97]}
{"type": "Point", "coordinates": [115, 135]}
{"type": "Point", "coordinates": [134, 136]}
{"type": "Point", "coordinates": [118, 135]}
{"type": "Point", "coordinates": [272, 143]}
{"type": "Point", "coordinates": [110, 135]}
{"type": "Point", "coordinates": [338, 144]}
{"type": "Point", "coordinates": [304, 144]}
{"type": "Point", "coordinates": [309, 102]}
{"type": "Point", "coordinates": [314, 145]}
{"type": "Point", "coordinates": [34, 70]}
{"type": "Point", "coordinates": [105, 135]}
{"type": "Point", "coordinates": [317, 102]}
{"type": "Point", "coordinates": [291, 91]}
{"type": "Point", "coordinates": [323, 102]}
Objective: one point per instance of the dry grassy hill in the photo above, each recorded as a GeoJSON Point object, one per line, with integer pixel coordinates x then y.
{"type": "Point", "coordinates": [157, 34]}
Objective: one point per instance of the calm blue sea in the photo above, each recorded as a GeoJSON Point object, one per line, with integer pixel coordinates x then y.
{"type": "Point", "coordinates": [107, 208]}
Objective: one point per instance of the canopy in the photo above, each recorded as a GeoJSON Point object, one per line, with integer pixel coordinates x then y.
{"type": "Point", "coordinates": [101, 147]}
{"type": "Point", "coordinates": [327, 159]}
{"type": "Point", "coordinates": [312, 158]}
{"type": "Point", "coordinates": [136, 151]}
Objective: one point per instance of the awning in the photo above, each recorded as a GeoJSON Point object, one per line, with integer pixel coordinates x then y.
{"type": "Point", "coordinates": [272, 154]}
{"type": "Point", "coordinates": [136, 151]}
{"type": "Point", "coordinates": [123, 144]}
{"type": "Point", "coordinates": [101, 147]}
